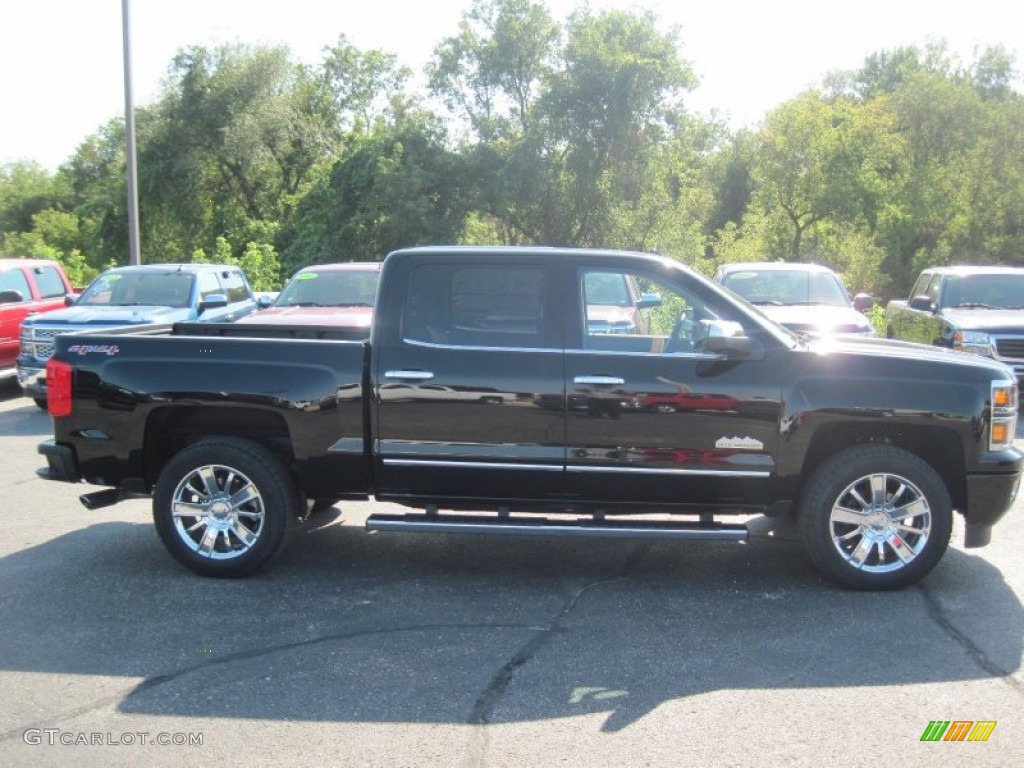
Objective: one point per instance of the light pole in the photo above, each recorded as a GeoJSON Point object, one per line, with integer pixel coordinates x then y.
{"type": "Point", "coordinates": [134, 256]}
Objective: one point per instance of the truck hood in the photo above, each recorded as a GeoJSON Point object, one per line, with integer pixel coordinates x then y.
{"type": "Point", "coordinates": [113, 315]}
{"type": "Point", "coordinates": [344, 317]}
{"type": "Point", "coordinates": [999, 320]}
{"type": "Point", "coordinates": [818, 318]}
{"type": "Point", "coordinates": [905, 352]}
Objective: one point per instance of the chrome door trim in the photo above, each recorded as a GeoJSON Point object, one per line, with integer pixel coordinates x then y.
{"type": "Point", "coordinates": [656, 471]}
{"type": "Point", "coordinates": [472, 464]}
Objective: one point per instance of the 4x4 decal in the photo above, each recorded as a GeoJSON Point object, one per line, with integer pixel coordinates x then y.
{"type": "Point", "coordinates": [102, 349]}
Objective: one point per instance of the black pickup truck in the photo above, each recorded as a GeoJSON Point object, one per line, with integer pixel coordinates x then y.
{"type": "Point", "coordinates": [494, 397]}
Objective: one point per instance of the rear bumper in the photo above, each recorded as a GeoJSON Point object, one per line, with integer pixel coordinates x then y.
{"type": "Point", "coordinates": [62, 463]}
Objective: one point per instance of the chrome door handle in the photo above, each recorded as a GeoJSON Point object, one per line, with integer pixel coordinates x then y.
{"type": "Point", "coordinates": [606, 381]}
{"type": "Point", "coordinates": [415, 375]}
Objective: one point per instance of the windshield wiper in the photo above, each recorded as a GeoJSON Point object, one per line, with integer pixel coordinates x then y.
{"type": "Point", "coordinates": [974, 305]}
{"type": "Point", "coordinates": [769, 303]}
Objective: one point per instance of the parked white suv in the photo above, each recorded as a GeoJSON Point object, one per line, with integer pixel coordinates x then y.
{"type": "Point", "coordinates": [808, 298]}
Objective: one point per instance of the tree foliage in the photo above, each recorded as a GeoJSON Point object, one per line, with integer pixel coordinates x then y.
{"type": "Point", "coordinates": [561, 132]}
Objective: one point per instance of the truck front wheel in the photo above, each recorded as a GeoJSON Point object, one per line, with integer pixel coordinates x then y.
{"type": "Point", "coordinates": [875, 517]}
{"type": "Point", "coordinates": [223, 506]}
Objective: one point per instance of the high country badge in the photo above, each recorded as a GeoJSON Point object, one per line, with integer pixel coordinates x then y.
{"type": "Point", "coordinates": [740, 443]}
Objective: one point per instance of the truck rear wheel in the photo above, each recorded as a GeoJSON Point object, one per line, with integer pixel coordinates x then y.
{"type": "Point", "coordinates": [223, 506]}
{"type": "Point", "coordinates": [875, 517]}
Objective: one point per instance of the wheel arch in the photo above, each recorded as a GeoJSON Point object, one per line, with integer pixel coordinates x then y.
{"type": "Point", "coordinates": [171, 429]}
{"type": "Point", "coordinates": [941, 448]}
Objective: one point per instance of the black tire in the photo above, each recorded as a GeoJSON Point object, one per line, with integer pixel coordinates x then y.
{"type": "Point", "coordinates": [229, 535]}
{"type": "Point", "coordinates": [847, 521]}
{"type": "Point", "coordinates": [40, 402]}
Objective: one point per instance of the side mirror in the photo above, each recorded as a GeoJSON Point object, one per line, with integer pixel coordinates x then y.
{"type": "Point", "coordinates": [70, 299]}
{"type": "Point", "coordinates": [862, 302]}
{"type": "Point", "coordinates": [11, 296]}
{"type": "Point", "coordinates": [649, 301]}
{"type": "Point", "coordinates": [727, 338]}
{"type": "Point", "coordinates": [921, 303]}
{"type": "Point", "coordinates": [213, 301]}
{"type": "Point", "coordinates": [264, 302]}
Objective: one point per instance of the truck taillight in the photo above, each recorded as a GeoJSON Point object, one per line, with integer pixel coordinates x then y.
{"type": "Point", "coordinates": [58, 388]}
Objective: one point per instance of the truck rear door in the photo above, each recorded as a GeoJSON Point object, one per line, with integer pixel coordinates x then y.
{"type": "Point", "coordinates": [469, 381]}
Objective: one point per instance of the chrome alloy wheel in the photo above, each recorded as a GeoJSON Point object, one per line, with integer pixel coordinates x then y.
{"type": "Point", "coordinates": [880, 522]}
{"type": "Point", "coordinates": [218, 512]}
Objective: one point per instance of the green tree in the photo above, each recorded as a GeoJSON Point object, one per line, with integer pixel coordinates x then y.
{"type": "Point", "coordinates": [824, 162]}
{"type": "Point", "coordinates": [259, 262]}
{"type": "Point", "coordinates": [26, 188]}
{"type": "Point", "coordinates": [362, 87]}
{"type": "Point", "coordinates": [95, 177]}
{"type": "Point", "coordinates": [566, 121]}
{"type": "Point", "coordinates": [397, 187]}
{"type": "Point", "coordinates": [236, 140]}
{"type": "Point", "coordinates": [491, 73]}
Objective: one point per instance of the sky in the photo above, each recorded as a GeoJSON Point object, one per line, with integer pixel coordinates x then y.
{"type": "Point", "coordinates": [62, 64]}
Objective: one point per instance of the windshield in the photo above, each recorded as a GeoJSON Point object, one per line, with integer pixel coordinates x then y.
{"type": "Point", "coordinates": [335, 288]}
{"type": "Point", "coordinates": [996, 291]}
{"type": "Point", "coordinates": [788, 287]}
{"type": "Point", "coordinates": [132, 289]}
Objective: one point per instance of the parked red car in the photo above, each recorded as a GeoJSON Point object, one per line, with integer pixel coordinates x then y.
{"type": "Point", "coordinates": [325, 294]}
{"type": "Point", "coordinates": [27, 287]}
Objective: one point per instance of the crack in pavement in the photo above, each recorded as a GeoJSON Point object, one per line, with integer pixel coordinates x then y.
{"type": "Point", "coordinates": [937, 614]}
{"type": "Point", "coordinates": [479, 716]}
{"type": "Point", "coordinates": [150, 683]}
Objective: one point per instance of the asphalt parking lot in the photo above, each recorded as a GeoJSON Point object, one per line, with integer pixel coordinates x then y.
{"type": "Point", "coordinates": [360, 649]}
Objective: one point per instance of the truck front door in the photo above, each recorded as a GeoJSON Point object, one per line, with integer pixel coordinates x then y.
{"type": "Point", "coordinates": [652, 416]}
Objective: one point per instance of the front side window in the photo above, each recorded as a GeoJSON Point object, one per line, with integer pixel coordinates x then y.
{"type": "Point", "coordinates": [14, 280]}
{"type": "Point", "coordinates": [476, 306]}
{"type": "Point", "coordinates": [660, 316]}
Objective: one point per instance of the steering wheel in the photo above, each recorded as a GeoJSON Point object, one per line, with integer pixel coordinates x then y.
{"type": "Point", "coordinates": [680, 339]}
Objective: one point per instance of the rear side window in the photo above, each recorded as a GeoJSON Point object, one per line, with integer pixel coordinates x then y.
{"type": "Point", "coordinates": [49, 283]}
{"type": "Point", "coordinates": [476, 306]}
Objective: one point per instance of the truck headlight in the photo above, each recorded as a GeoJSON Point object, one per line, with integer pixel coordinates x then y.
{"type": "Point", "coordinates": [976, 342]}
{"type": "Point", "coordinates": [27, 345]}
{"type": "Point", "coordinates": [1003, 416]}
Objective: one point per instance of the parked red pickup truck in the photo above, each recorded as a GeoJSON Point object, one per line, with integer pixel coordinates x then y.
{"type": "Point", "coordinates": [325, 295]}
{"type": "Point", "coordinates": [27, 287]}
